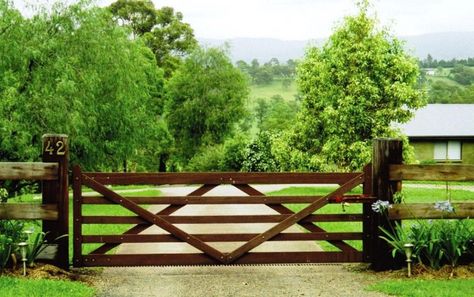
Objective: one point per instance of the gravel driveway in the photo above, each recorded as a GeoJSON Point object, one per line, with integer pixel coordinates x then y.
{"type": "Point", "coordinates": [235, 281]}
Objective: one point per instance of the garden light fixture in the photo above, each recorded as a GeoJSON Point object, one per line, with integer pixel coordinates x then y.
{"type": "Point", "coordinates": [28, 233]}
{"type": "Point", "coordinates": [408, 252]}
{"type": "Point", "coordinates": [23, 246]}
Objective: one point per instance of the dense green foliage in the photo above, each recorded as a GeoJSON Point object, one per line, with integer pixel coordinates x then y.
{"type": "Point", "coordinates": [462, 74]}
{"type": "Point", "coordinates": [205, 98]}
{"type": "Point", "coordinates": [163, 30]}
{"type": "Point", "coordinates": [443, 92]}
{"type": "Point", "coordinates": [269, 71]}
{"type": "Point", "coordinates": [74, 71]}
{"type": "Point", "coordinates": [276, 114]}
{"type": "Point", "coordinates": [353, 89]}
{"type": "Point", "coordinates": [430, 62]}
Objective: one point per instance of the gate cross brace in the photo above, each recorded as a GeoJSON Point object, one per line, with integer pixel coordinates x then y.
{"type": "Point", "coordinates": [154, 219]}
{"type": "Point", "coordinates": [273, 231]}
{"type": "Point", "coordinates": [285, 210]}
{"type": "Point", "coordinates": [167, 211]}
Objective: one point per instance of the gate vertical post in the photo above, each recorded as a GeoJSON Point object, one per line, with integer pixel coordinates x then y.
{"type": "Point", "coordinates": [56, 149]}
{"type": "Point", "coordinates": [385, 152]}
{"type": "Point", "coordinates": [78, 260]}
{"type": "Point", "coordinates": [369, 225]}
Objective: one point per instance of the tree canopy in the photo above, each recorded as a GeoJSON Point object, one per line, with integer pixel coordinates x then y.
{"type": "Point", "coordinates": [205, 98]}
{"type": "Point", "coordinates": [163, 30]}
{"type": "Point", "coordinates": [73, 71]}
{"type": "Point", "coordinates": [354, 88]}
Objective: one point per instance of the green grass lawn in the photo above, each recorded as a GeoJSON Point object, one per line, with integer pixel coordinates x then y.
{"type": "Point", "coordinates": [108, 210]}
{"type": "Point", "coordinates": [328, 209]}
{"type": "Point", "coordinates": [425, 288]}
{"type": "Point", "coordinates": [18, 287]}
{"type": "Point", "coordinates": [272, 89]}
{"type": "Point", "coordinates": [446, 80]}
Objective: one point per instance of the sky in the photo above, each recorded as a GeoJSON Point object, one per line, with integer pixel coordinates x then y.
{"type": "Point", "coordinates": [309, 19]}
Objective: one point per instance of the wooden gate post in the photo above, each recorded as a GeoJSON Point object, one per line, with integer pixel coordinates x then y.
{"type": "Point", "coordinates": [369, 225]}
{"type": "Point", "coordinates": [55, 149]}
{"type": "Point", "coordinates": [385, 152]}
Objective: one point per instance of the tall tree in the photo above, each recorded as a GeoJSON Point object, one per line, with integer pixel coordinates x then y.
{"type": "Point", "coordinates": [163, 30]}
{"type": "Point", "coordinates": [354, 88]}
{"type": "Point", "coordinates": [139, 15]}
{"type": "Point", "coordinates": [205, 99]}
{"type": "Point", "coordinates": [80, 74]}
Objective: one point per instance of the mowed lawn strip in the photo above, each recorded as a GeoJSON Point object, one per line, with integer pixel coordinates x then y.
{"type": "Point", "coordinates": [425, 288]}
{"type": "Point", "coordinates": [16, 287]}
{"type": "Point", "coordinates": [328, 209]}
{"type": "Point", "coordinates": [108, 210]}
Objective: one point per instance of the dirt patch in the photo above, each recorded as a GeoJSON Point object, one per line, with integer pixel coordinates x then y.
{"type": "Point", "coordinates": [47, 271]}
{"type": "Point", "coordinates": [420, 271]}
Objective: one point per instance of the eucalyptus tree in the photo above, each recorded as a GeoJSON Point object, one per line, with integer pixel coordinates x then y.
{"type": "Point", "coordinates": [163, 30]}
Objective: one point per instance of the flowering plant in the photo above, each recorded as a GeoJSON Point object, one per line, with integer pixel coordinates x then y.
{"type": "Point", "coordinates": [444, 206]}
{"type": "Point", "coordinates": [380, 206]}
{"type": "Point", "coordinates": [435, 242]}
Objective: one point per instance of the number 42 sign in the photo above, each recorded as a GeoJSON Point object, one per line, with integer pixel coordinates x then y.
{"type": "Point", "coordinates": [58, 148]}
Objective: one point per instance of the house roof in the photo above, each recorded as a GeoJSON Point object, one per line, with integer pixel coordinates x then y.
{"type": "Point", "coordinates": [441, 120]}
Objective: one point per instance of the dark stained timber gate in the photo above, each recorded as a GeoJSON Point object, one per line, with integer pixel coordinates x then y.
{"type": "Point", "coordinates": [246, 246]}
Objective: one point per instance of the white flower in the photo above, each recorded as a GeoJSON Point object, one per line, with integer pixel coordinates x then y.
{"type": "Point", "coordinates": [444, 206]}
{"type": "Point", "coordinates": [380, 206]}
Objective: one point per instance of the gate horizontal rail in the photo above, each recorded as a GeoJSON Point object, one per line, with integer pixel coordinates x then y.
{"type": "Point", "coordinates": [224, 219]}
{"type": "Point", "coordinates": [128, 238]}
{"type": "Point", "coordinates": [202, 259]}
{"type": "Point", "coordinates": [229, 199]}
{"type": "Point", "coordinates": [220, 178]}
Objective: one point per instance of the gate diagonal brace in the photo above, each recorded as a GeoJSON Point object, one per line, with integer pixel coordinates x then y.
{"type": "Point", "coordinates": [167, 211]}
{"type": "Point", "coordinates": [270, 233]}
{"type": "Point", "coordinates": [154, 219]}
{"type": "Point", "coordinates": [307, 225]}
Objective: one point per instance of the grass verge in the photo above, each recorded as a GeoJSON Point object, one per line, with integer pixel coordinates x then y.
{"type": "Point", "coordinates": [16, 287]}
{"type": "Point", "coordinates": [425, 288]}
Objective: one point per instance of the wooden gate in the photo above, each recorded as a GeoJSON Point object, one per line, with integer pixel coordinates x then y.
{"type": "Point", "coordinates": [244, 253]}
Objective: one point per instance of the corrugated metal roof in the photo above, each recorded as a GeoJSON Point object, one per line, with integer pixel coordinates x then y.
{"type": "Point", "coordinates": [438, 120]}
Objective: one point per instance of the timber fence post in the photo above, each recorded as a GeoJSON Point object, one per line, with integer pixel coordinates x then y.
{"type": "Point", "coordinates": [385, 152]}
{"type": "Point", "coordinates": [56, 149]}
{"type": "Point", "coordinates": [369, 225]}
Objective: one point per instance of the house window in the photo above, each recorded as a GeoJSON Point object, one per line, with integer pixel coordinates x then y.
{"type": "Point", "coordinates": [447, 150]}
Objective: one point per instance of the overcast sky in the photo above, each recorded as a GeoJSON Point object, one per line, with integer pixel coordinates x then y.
{"type": "Point", "coordinates": [308, 19]}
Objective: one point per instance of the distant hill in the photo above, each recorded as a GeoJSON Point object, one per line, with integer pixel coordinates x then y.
{"type": "Point", "coordinates": [440, 45]}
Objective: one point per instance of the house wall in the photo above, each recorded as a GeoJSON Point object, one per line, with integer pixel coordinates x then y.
{"type": "Point", "coordinates": [468, 152]}
{"type": "Point", "coordinates": [424, 150]}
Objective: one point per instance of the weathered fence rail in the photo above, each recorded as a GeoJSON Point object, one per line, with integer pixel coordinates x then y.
{"type": "Point", "coordinates": [427, 211]}
{"type": "Point", "coordinates": [54, 207]}
{"type": "Point", "coordinates": [452, 172]}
